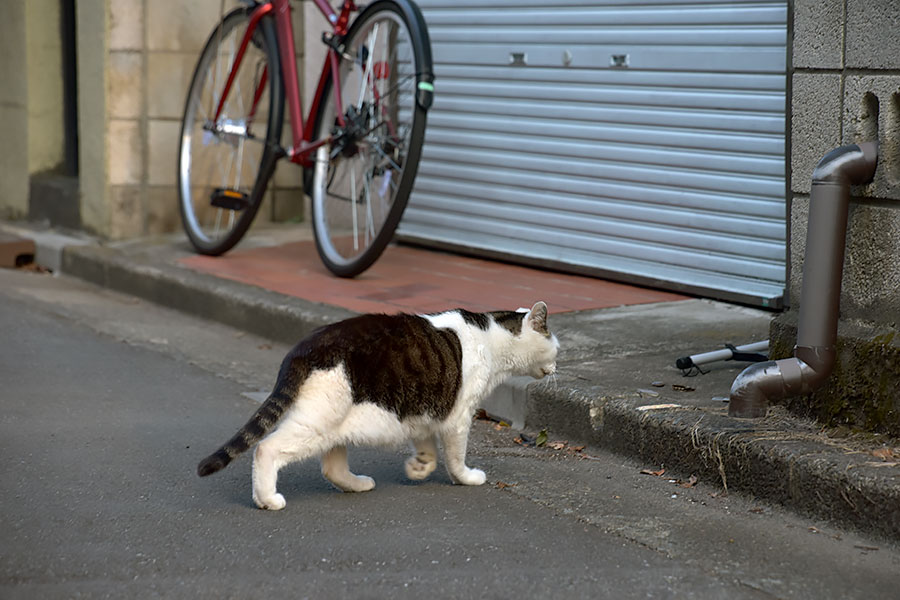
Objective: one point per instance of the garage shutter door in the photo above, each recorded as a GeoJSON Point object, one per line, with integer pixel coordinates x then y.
{"type": "Point", "coordinates": [643, 142]}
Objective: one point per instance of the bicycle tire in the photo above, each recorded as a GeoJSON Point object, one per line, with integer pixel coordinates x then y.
{"type": "Point", "coordinates": [216, 181]}
{"type": "Point", "coordinates": [336, 186]}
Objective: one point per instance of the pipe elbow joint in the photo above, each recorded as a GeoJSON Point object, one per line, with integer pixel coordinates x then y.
{"type": "Point", "coordinates": [817, 364]}
{"type": "Point", "coordinates": [754, 388]}
{"type": "Point", "coordinates": [761, 383]}
{"type": "Point", "coordinates": [852, 164]}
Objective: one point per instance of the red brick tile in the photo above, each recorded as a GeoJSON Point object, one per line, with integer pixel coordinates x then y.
{"type": "Point", "coordinates": [416, 280]}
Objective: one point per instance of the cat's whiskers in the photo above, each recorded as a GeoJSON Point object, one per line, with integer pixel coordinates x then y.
{"type": "Point", "coordinates": [554, 382]}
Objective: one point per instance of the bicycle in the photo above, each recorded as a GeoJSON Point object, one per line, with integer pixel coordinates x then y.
{"type": "Point", "coordinates": [359, 144]}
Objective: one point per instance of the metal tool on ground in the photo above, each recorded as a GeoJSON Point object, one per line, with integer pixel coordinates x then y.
{"type": "Point", "coordinates": [755, 352]}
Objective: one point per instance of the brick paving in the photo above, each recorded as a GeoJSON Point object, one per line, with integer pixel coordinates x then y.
{"type": "Point", "coordinates": [407, 279]}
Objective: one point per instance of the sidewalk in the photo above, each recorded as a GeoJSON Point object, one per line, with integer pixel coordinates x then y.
{"type": "Point", "coordinates": [617, 385]}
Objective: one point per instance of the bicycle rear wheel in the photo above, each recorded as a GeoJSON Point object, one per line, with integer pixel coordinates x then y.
{"type": "Point", "coordinates": [224, 163]}
{"type": "Point", "coordinates": [361, 181]}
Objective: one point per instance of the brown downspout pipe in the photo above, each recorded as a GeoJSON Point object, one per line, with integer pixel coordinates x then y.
{"type": "Point", "coordinates": [814, 354]}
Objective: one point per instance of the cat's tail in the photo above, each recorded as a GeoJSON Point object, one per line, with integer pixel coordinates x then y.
{"type": "Point", "coordinates": [262, 421]}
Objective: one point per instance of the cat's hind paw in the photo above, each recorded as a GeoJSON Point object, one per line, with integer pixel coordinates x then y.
{"type": "Point", "coordinates": [418, 469]}
{"type": "Point", "coordinates": [276, 502]}
{"type": "Point", "coordinates": [359, 483]}
{"type": "Point", "coordinates": [470, 477]}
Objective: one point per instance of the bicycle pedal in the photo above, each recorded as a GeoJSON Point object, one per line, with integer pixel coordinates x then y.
{"type": "Point", "coordinates": [229, 199]}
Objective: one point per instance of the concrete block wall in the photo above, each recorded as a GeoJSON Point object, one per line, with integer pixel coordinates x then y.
{"type": "Point", "coordinates": [153, 46]}
{"type": "Point", "coordinates": [135, 60]}
{"type": "Point", "coordinates": [846, 89]}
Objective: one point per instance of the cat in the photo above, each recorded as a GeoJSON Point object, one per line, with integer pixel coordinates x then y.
{"type": "Point", "coordinates": [381, 380]}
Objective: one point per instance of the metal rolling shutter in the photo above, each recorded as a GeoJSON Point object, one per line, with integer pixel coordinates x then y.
{"type": "Point", "coordinates": [643, 142]}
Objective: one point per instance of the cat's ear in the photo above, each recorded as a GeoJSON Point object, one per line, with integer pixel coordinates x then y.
{"type": "Point", "coordinates": [537, 318]}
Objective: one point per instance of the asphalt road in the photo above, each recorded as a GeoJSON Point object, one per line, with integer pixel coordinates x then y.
{"type": "Point", "coordinates": [108, 403]}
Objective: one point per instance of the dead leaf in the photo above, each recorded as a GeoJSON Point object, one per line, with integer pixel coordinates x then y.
{"type": "Point", "coordinates": [541, 438]}
{"type": "Point", "coordinates": [682, 388]}
{"type": "Point", "coordinates": [501, 485]}
{"type": "Point", "coordinates": [884, 453]}
{"type": "Point", "coordinates": [757, 511]}
{"type": "Point", "coordinates": [558, 445]}
{"type": "Point", "coordinates": [33, 267]}
{"type": "Point", "coordinates": [866, 548]}
{"type": "Point", "coordinates": [588, 457]}
{"type": "Point", "coordinates": [654, 473]}
{"type": "Point", "coordinates": [500, 425]}
{"type": "Point", "coordinates": [576, 448]}
{"type": "Point", "coordinates": [691, 482]}
{"type": "Point", "coordinates": [482, 415]}
{"type": "Point", "coordinates": [524, 440]}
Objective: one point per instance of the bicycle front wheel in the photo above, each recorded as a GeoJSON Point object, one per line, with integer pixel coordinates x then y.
{"type": "Point", "coordinates": [225, 162]}
{"type": "Point", "coordinates": [362, 180]}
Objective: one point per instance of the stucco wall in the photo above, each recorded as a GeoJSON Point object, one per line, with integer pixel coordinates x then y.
{"type": "Point", "coordinates": [91, 25]}
{"type": "Point", "coordinates": [14, 114]}
{"type": "Point", "coordinates": [44, 72]}
{"type": "Point", "coordinates": [30, 99]}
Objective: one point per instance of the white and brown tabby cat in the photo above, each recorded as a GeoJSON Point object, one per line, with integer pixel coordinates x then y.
{"type": "Point", "coordinates": [381, 380]}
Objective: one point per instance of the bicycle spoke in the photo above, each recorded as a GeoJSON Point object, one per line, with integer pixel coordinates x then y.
{"type": "Point", "coordinates": [204, 114]}
{"type": "Point", "coordinates": [370, 226]}
{"type": "Point", "coordinates": [394, 87]}
{"type": "Point", "coordinates": [353, 208]}
{"type": "Point", "coordinates": [388, 158]}
{"type": "Point", "coordinates": [239, 169]}
{"type": "Point", "coordinates": [373, 35]}
{"type": "Point", "coordinates": [379, 126]}
{"type": "Point", "coordinates": [384, 60]}
{"type": "Point", "coordinates": [218, 168]}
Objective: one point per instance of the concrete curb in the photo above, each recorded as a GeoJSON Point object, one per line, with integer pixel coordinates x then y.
{"type": "Point", "coordinates": [268, 314]}
{"type": "Point", "coordinates": [769, 459]}
{"type": "Point", "coordinates": [49, 245]}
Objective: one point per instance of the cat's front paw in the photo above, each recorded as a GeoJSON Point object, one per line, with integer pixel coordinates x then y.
{"type": "Point", "coordinates": [471, 477]}
{"type": "Point", "coordinates": [276, 502]}
{"type": "Point", "coordinates": [419, 469]}
{"type": "Point", "coordinates": [361, 483]}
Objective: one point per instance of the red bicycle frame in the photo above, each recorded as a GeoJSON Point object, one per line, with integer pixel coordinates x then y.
{"type": "Point", "coordinates": [303, 146]}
